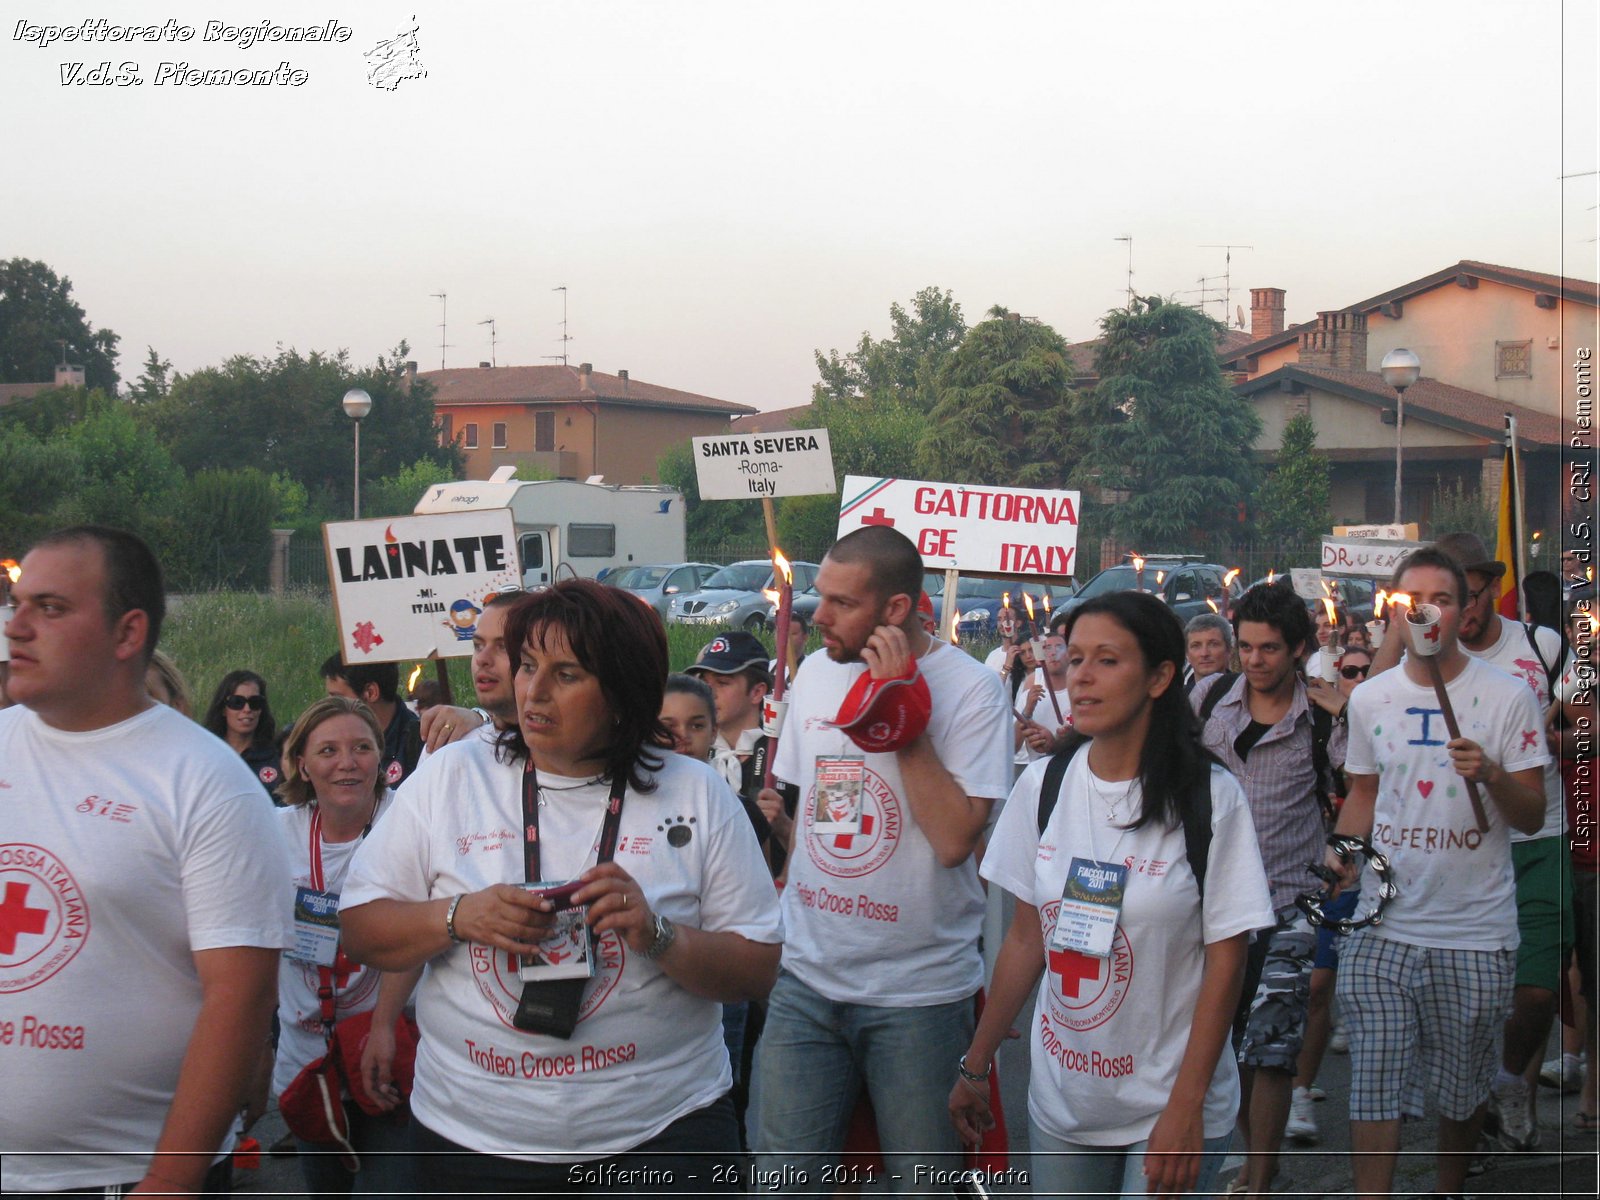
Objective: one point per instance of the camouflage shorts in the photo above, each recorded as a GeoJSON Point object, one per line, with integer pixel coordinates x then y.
{"type": "Point", "coordinates": [1275, 1025]}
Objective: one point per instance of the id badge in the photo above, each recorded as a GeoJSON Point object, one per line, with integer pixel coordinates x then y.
{"type": "Point", "coordinates": [1090, 906]}
{"type": "Point", "coordinates": [567, 953]}
{"type": "Point", "coordinates": [316, 927]}
{"type": "Point", "coordinates": [841, 780]}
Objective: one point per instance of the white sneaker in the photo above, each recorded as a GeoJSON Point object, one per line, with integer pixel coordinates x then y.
{"type": "Point", "coordinates": [1302, 1125]}
{"type": "Point", "coordinates": [1511, 1113]}
{"type": "Point", "coordinates": [1339, 1041]}
{"type": "Point", "coordinates": [1565, 1072]}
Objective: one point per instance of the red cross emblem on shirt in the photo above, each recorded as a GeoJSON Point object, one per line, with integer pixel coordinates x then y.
{"type": "Point", "coordinates": [17, 918]}
{"type": "Point", "coordinates": [877, 517]}
{"type": "Point", "coordinates": [1073, 967]}
{"type": "Point", "coordinates": [845, 841]}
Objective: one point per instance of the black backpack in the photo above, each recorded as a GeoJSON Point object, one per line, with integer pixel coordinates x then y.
{"type": "Point", "coordinates": [1196, 819]}
{"type": "Point", "coordinates": [1321, 731]}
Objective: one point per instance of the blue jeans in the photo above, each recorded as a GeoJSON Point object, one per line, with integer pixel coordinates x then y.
{"type": "Point", "coordinates": [811, 1063]}
{"type": "Point", "coordinates": [1069, 1169]}
{"type": "Point", "coordinates": [383, 1144]}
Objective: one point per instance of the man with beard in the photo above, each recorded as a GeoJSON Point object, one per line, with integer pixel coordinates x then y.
{"type": "Point", "coordinates": [491, 681]}
{"type": "Point", "coordinates": [899, 744]}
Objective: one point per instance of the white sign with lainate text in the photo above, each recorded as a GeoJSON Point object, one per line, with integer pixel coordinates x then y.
{"type": "Point", "coordinates": [1355, 558]}
{"type": "Point", "coordinates": [795, 462]}
{"type": "Point", "coordinates": [988, 530]}
{"type": "Point", "coordinates": [413, 586]}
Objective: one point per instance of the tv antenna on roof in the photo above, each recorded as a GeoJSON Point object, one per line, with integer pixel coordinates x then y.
{"type": "Point", "coordinates": [489, 321]}
{"type": "Point", "coordinates": [1128, 237]}
{"type": "Point", "coordinates": [1227, 272]}
{"type": "Point", "coordinates": [443, 318]}
{"type": "Point", "coordinates": [564, 339]}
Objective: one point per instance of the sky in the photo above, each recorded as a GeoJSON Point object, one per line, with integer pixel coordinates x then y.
{"type": "Point", "coordinates": [724, 188]}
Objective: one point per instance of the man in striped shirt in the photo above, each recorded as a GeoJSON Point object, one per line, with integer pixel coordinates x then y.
{"type": "Point", "coordinates": [1262, 727]}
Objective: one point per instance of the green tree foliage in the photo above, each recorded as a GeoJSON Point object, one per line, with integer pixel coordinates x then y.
{"type": "Point", "coordinates": [226, 518]}
{"type": "Point", "coordinates": [904, 365]}
{"type": "Point", "coordinates": [1006, 409]}
{"type": "Point", "coordinates": [1454, 509]}
{"type": "Point", "coordinates": [283, 415]}
{"type": "Point", "coordinates": [708, 522]}
{"type": "Point", "coordinates": [53, 409]}
{"type": "Point", "coordinates": [39, 321]}
{"type": "Point", "coordinates": [397, 494]}
{"type": "Point", "coordinates": [1167, 428]}
{"type": "Point", "coordinates": [39, 475]}
{"type": "Point", "coordinates": [127, 478]}
{"type": "Point", "coordinates": [1293, 503]}
{"type": "Point", "coordinates": [154, 380]}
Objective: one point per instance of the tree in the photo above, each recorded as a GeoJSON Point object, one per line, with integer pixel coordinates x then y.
{"type": "Point", "coordinates": [152, 383]}
{"type": "Point", "coordinates": [904, 365]}
{"type": "Point", "coordinates": [40, 323]}
{"type": "Point", "coordinates": [1006, 409]}
{"type": "Point", "coordinates": [1293, 503]}
{"type": "Point", "coordinates": [1167, 428]}
{"type": "Point", "coordinates": [708, 522]}
{"type": "Point", "coordinates": [226, 518]}
{"type": "Point", "coordinates": [282, 415]}
{"type": "Point", "coordinates": [396, 495]}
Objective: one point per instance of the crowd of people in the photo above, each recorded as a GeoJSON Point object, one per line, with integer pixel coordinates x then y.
{"type": "Point", "coordinates": [617, 930]}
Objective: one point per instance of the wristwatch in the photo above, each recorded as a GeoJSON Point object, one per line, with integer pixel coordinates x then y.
{"type": "Point", "coordinates": [666, 934]}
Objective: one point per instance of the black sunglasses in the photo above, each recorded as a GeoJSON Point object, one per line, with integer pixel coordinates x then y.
{"type": "Point", "coordinates": [1354, 672]}
{"type": "Point", "coordinates": [253, 703]}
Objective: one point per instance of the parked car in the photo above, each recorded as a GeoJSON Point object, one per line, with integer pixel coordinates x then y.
{"type": "Point", "coordinates": [657, 585]}
{"type": "Point", "coordinates": [978, 602]}
{"type": "Point", "coordinates": [1183, 582]}
{"type": "Point", "coordinates": [734, 595]}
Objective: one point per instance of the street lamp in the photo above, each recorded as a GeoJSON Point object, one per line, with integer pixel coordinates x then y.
{"type": "Point", "coordinates": [1400, 369]}
{"type": "Point", "coordinates": [357, 404]}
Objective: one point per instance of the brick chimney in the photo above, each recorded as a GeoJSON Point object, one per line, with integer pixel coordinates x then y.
{"type": "Point", "coordinates": [68, 375]}
{"type": "Point", "coordinates": [1338, 339]}
{"type": "Point", "coordinates": [1266, 312]}
{"type": "Point", "coordinates": [623, 375]}
{"type": "Point", "coordinates": [584, 371]}
{"type": "Point", "coordinates": [409, 377]}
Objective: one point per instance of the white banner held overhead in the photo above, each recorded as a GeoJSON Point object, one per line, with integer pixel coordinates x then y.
{"type": "Point", "coordinates": [413, 586]}
{"type": "Point", "coordinates": [1307, 583]}
{"type": "Point", "coordinates": [795, 462]}
{"type": "Point", "coordinates": [988, 530]}
{"type": "Point", "coordinates": [1358, 559]}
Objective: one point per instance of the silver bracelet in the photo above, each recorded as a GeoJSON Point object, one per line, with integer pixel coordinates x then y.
{"type": "Point", "coordinates": [961, 1065]}
{"type": "Point", "coordinates": [450, 921]}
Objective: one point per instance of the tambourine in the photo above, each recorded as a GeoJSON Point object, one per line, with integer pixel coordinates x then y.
{"type": "Point", "coordinates": [1346, 847]}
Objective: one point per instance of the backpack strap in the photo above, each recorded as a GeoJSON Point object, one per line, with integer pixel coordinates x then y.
{"type": "Point", "coordinates": [1219, 689]}
{"type": "Point", "coordinates": [1551, 674]}
{"type": "Point", "coordinates": [1054, 775]}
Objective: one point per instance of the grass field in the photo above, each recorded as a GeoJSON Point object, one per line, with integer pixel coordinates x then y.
{"type": "Point", "coordinates": [284, 640]}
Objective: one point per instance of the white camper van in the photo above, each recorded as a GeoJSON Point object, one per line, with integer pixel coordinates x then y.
{"type": "Point", "coordinates": [591, 526]}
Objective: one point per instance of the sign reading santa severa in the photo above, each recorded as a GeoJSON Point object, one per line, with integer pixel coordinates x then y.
{"type": "Point", "coordinates": [794, 462]}
{"type": "Point", "coordinates": [414, 586]}
{"type": "Point", "coordinates": [987, 530]}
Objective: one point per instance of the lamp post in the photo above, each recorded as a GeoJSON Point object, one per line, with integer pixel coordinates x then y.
{"type": "Point", "coordinates": [1400, 369]}
{"type": "Point", "coordinates": [357, 404]}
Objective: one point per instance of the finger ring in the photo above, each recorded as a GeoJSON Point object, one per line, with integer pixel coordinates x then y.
{"type": "Point", "coordinates": [448, 727]}
{"type": "Point", "coordinates": [624, 899]}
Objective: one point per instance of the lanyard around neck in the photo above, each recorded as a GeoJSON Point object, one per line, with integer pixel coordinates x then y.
{"type": "Point", "coordinates": [530, 821]}
{"type": "Point", "coordinates": [317, 880]}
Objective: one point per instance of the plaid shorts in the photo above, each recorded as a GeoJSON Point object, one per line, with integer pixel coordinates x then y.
{"type": "Point", "coordinates": [1271, 1022]}
{"type": "Point", "coordinates": [1415, 1009]}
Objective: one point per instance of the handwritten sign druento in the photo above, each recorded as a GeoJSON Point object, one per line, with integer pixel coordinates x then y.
{"type": "Point", "coordinates": [1007, 531]}
{"type": "Point", "coordinates": [1363, 559]}
{"type": "Point", "coordinates": [796, 462]}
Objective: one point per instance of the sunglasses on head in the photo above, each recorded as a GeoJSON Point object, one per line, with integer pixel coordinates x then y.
{"type": "Point", "coordinates": [1354, 672]}
{"type": "Point", "coordinates": [253, 703]}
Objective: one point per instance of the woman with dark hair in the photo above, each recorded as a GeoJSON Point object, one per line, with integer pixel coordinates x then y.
{"type": "Point", "coordinates": [1140, 917]}
{"type": "Point", "coordinates": [568, 1024]}
{"type": "Point", "coordinates": [240, 715]}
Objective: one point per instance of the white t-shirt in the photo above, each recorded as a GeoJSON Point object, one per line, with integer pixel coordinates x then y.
{"type": "Point", "coordinates": [1456, 889]}
{"type": "Point", "coordinates": [871, 917]}
{"type": "Point", "coordinates": [300, 1039]}
{"type": "Point", "coordinates": [1102, 1066]}
{"type": "Point", "coordinates": [1043, 712]}
{"type": "Point", "coordinates": [1513, 655]}
{"type": "Point", "coordinates": [645, 1051]}
{"type": "Point", "coordinates": [122, 852]}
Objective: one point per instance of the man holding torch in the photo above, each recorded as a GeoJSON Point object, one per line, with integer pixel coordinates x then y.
{"type": "Point", "coordinates": [1426, 988]}
{"type": "Point", "coordinates": [899, 745]}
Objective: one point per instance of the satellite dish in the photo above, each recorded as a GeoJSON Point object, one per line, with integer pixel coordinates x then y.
{"type": "Point", "coordinates": [1239, 308]}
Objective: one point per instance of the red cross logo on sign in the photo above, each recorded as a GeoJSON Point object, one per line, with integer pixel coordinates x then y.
{"type": "Point", "coordinates": [17, 918]}
{"type": "Point", "coordinates": [877, 517]}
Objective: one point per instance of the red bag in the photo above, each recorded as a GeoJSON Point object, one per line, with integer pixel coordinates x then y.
{"type": "Point", "coordinates": [312, 1107]}
{"type": "Point", "coordinates": [350, 1039]}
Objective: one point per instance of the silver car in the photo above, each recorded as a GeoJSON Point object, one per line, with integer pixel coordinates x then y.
{"type": "Point", "coordinates": [657, 585]}
{"type": "Point", "coordinates": [733, 596]}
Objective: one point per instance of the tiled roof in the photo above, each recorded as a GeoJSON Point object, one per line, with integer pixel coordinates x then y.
{"type": "Point", "coordinates": [10, 393]}
{"type": "Point", "coordinates": [1579, 291]}
{"type": "Point", "coordinates": [775, 421]}
{"type": "Point", "coordinates": [557, 384]}
{"type": "Point", "coordinates": [1469, 412]}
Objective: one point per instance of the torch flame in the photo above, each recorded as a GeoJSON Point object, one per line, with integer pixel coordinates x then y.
{"type": "Point", "coordinates": [1399, 599]}
{"type": "Point", "coordinates": [1333, 617]}
{"type": "Point", "coordinates": [1046, 599]}
{"type": "Point", "coordinates": [1378, 601]}
{"type": "Point", "coordinates": [1161, 577]}
{"type": "Point", "coordinates": [782, 565]}
{"type": "Point", "coordinates": [1027, 602]}
{"type": "Point", "coordinates": [411, 679]}
{"type": "Point", "coordinates": [1233, 573]}
{"type": "Point", "coordinates": [1005, 599]}
{"type": "Point", "coordinates": [1213, 605]}
{"type": "Point", "coordinates": [1272, 576]}
{"type": "Point", "coordinates": [12, 568]}
{"type": "Point", "coordinates": [771, 594]}
{"type": "Point", "coordinates": [1138, 563]}
{"type": "Point", "coordinates": [955, 638]}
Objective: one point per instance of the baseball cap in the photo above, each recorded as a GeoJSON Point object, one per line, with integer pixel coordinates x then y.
{"type": "Point", "coordinates": [730, 653]}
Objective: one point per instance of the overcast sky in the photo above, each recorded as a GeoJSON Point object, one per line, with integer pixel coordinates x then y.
{"type": "Point", "coordinates": [725, 187]}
